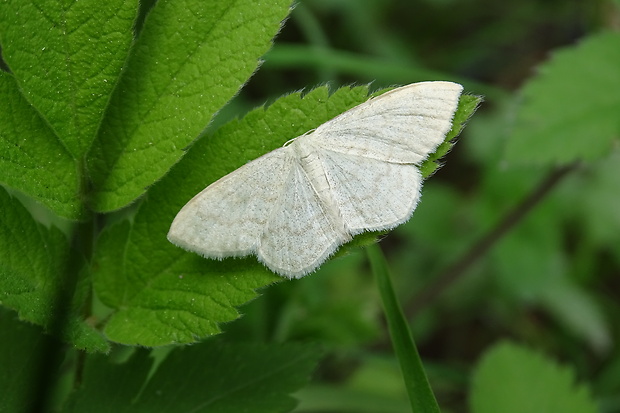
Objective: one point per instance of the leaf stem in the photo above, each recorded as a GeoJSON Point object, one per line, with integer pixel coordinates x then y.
{"type": "Point", "coordinates": [62, 308]}
{"type": "Point", "coordinates": [419, 390]}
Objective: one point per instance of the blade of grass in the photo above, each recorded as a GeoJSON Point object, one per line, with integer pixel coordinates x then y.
{"type": "Point", "coordinates": [420, 394]}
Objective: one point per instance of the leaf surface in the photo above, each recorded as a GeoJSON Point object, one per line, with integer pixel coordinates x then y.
{"type": "Point", "coordinates": [34, 264]}
{"type": "Point", "coordinates": [514, 379]}
{"type": "Point", "coordinates": [66, 56]}
{"type": "Point", "coordinates": [570, 110]}
{"type": "Point", "coordinates": [210, 377]}
{"type": "Point", "coordinates": [191, 58]}
{"type": "Point", "coordinates": [32, 160]}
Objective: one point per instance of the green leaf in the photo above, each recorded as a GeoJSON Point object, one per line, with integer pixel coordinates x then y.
{"type": "Point", "coordinates": [161, 294]}
{"type": "Point", "coordinates": [191, 58]}
{"type": "Point", "coordinates": [111, 387]}
{"type": "Point", "coordinates": [32, 259]}
{"type": "Point", "coordinates": [570, 110]}
{"type": "Point", "coordinates": [32, 160]}
{"type": "Point", "coordinates": [66, 56]}
{"type": "Point", "coordinates": [598, 201]}
{"type": "Point", "coordinates": [34, 262]}
{"type": "Point", "coordinates": [210, 377]}
{"type": "Point", "coordinates": [467, 106]}
{"type": "Point", "coordinates": [514, 379]}
{"type": "Point", "coordinates": [420, 393]}
{"type": "Point", "coordinates": [23, 352]}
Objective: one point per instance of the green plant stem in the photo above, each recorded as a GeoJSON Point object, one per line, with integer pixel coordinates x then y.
{"type": "Point", "coordinates": [420, 394]}
{"type": "Point", "coordinates": [54, 351]}
{"type": "Point", "coordinates": [455, 271]}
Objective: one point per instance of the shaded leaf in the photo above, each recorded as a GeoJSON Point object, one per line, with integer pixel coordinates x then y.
{"type": "Point", "coordinates": [569, 111]}
{"type": "Point", "coordinates": [22, 358]}
{"type": "Point", "coordinates": [514, 379]}
{"type": "Point", "coordinates": [210, 377]}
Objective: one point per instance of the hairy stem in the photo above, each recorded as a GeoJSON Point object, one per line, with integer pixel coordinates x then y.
{"type": "Point", "coordinates": [56, 350]}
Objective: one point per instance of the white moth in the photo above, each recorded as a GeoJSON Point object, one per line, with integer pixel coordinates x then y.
{"type": "Point", "coordinates": [294, 206]}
